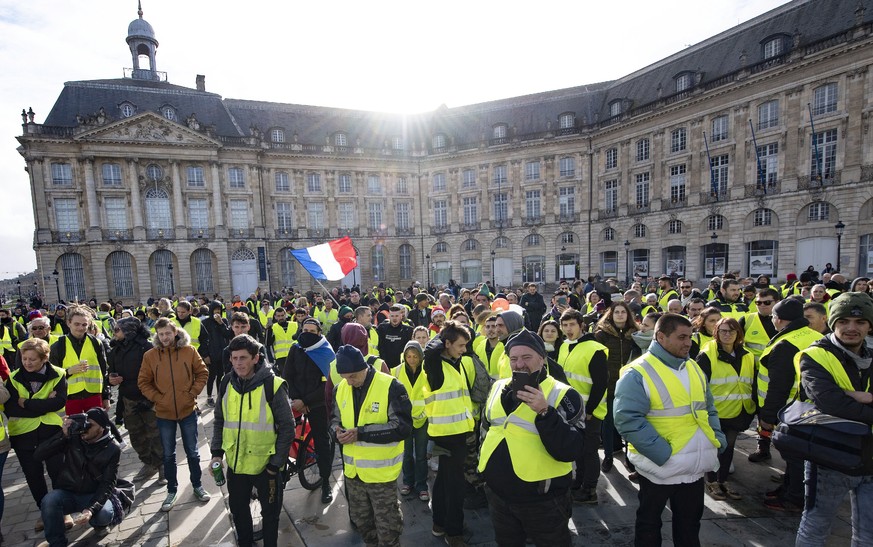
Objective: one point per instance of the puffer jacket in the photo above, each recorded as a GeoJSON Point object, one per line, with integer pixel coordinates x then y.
{"type": "Point", "coordinates": [172, 377]}
{"type": "Point", "coordinates": [620, 345]}
{"type": "Point", "coordinates": [126, 358]}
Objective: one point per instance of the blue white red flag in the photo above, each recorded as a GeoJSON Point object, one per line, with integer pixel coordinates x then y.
{"type": "Point", "coordinates": [329, 261]}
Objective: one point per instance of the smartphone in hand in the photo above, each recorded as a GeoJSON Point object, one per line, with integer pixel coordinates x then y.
{"type": "Point", "coordinates": [521, 378]}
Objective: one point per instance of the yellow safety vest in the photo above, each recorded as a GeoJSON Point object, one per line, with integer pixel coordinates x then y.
{"type": "Point", "coordinates": [6, 342]}
{"type": "Point", "coordinates": [373, 340]}
{"type": "Point", "coordinates": [416, 392]}
{"type": "Point", "coordinates": [701, 338]}
{"type": "Point", "coordinates": [58, 329]}
{"type": "Point", "coordinates": [370, 462]}
{"type": "Point", "coordinates": [492, 365]}
{"type": "Point", "coordinates": [283, 339]}
{"type": "Point", "coordinates": [674, 412]}
{"type": "Point", "coordinates": [756, 337]}
{"type": "Point", "coordinates": [800, 338]}
{"type": "Point", "coordinates": [192, 327]}
{"type": "Point", "coordinates": [575, 366]}
{"type": "Point", "coordinates": [105, 320]}
{"type": "Point", "coordinates": [830, 363]}
{"type": "Point", "coordinates": [731, 392]}
{"type": "Point", "coordinates": [92, 379]}
{"type": "Point", "coordinates": [19, 425]}
{"type": "Point", "coordinates": [664, 298]}
{"type": "Point", "coordinates": [530, 460]}
{"type": "Point", "coordinates": [265, 317]}
{"type": "Point", "coordinates": [327, 319]}
{"type": "Point", "coordinates": [249, 435]}
{"type": "Point", "coordinates": [449, 409]}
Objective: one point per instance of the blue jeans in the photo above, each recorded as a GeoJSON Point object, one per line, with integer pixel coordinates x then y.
{"type": "Point", "coordinates": [58, 503]}
{"type": "Point", "coordinates": [415, 459]}
{"type": "Point", "coordinates": [167, 429]}
{"type": "Point", "coordinates": [825, 491]}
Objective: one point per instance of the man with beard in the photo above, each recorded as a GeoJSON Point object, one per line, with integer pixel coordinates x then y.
{"type": "Point", "coordinates": [393, 336]}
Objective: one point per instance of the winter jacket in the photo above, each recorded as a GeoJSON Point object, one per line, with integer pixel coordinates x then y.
{"type": "Point", "coordinates": [172, 377]}
{"type": "Point", "coordinates": [535, 307]}
{"type": "Point", "coordinates": [392, 340]}
{"type": "Point", "coordinates": [818, 385]}
{"type": "Point", "coordinates": [219, 336]}
{"type": "Point", "coordinates": [125, 359]}
{"type": "Point", "coordinates": [620, 345]}
{"type": "Point", "coordinates": [780, 369]}
{"type": "Point", "coordinates": [305, 380]}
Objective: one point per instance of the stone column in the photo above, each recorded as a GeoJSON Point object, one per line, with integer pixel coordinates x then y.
{"type": "Point", "coordinates": [135, 198]}
{"type": "Point", "coordinates": [178, 207]}
{"type": "Point", "coordinates": [93, 209]}
{"type": "Point", "coordinates": [217, 210]}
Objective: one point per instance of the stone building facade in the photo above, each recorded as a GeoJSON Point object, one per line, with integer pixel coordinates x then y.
{"type": "Point", "coordinates": [741, 153]}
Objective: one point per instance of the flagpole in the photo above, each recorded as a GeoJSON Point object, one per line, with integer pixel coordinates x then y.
{"type": "Point", "coordinates": [761, 182]}
{"type": "Point", "coordinates": [328, 292]}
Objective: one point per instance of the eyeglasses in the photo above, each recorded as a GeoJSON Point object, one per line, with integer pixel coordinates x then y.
{"type": "Point", "coordinates": [38, 328]}
{"type": "Point", "coordinates": [763, 302]}
{"type": "Point", "coordinates": [725, 331]}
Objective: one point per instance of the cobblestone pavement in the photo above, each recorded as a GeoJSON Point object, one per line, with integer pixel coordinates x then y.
{"type": "Point", "coordinates": [306, 521]}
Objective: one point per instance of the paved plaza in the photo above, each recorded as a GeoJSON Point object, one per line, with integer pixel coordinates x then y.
{"type": "Point", "coordinates": [307, 522]}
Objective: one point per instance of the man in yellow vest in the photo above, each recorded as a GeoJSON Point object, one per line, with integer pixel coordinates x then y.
{"type": "Point", "coordinates": [758, 326]}
{"type": "Point", "coordinates": [728, 299]}
{"type": "Point", "coordinates": [666, 292]}
{"type": "Point", "coordinates": [254, 438]}
{"type": "Point", "coordinates": [665, 410]}
{"type": "Point", "coordinates": [777, 385]}
{"type": "Point", "coordinates": [328, 315]}
{"type": "Point", "coordinates": [59, 321]}
{"type": "Point", "coordinates": [194, 327]}
{"type": "Point", "coordinates": [83, 358]}
{"type": "Point", "coordinates": [584, 362]}
{"type": "Point", "coordinates": [364, 317]}
{"type": "Point", "coordinates": [534, 432]}
{"type": "Point", "coordinates": [835, 374]}
{"type": "Point", "coordinates": [488, 347]}
{"type": "Point", "coordinates": [280, 338]}
{"type": "Point", "coordinates": [372, 414]}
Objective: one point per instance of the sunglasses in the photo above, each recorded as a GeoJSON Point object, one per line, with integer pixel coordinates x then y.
{"type": "Point", "coordinates": [763, 302]}
{"type": "Point", "coordinates": [39, 328]}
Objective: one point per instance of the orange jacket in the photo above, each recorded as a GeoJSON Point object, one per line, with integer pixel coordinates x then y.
{"type": "Point", "coordinates": [172, 377]}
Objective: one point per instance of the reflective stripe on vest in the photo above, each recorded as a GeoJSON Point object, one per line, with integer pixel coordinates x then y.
{"type": "Point", "coordinates": [530, 460]}
{"type": "Point", "coordinates": [755, 337]}
{"type": "Point", "coordinates": [799, 339]}
{"type": "Point", "coordinates": [192, 327]}
{"type": "Point", "coordinates": [373, 340]}
{"type": "Point", "coordinates": [665, 298]}
{"type": "Point", "coordinates": [283, 339]}
{"type": "Point", "coordinates": [449, 409]}
{"type": "Point", "coordinates": [492, 364]}
{"type": "Point", "coordinates": [731, 392]}
{"type": "Point", "coordinates": [90, 380]}
{"type": "Point", "coordinates": [5, 342]}
{"type": "Point", "coordinates": [370, 462]}
{"type": "Point", "coordinates": [675, 413]}
{"type": "Point", "coordinates": [19, 425]}
{"type": "Point", "coordinates": [830, 363]}
{"type": "Point", "coordinates": [249, 433]}
{"type": "Point", "coordinates": [416, 392]}
{"type": "Point", "coordinates": [575, 365]}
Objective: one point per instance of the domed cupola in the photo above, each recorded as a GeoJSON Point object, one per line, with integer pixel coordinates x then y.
{"type": "Point", "coordinates": [142, 42]}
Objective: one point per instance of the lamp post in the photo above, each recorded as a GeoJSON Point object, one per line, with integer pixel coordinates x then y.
{"type": "Point", "coordinates": [561, 263]}
{"type": "Point", "coordinates": [56, 274]}
{"type": "Point", "coordinates": [269, 281]}
{"type": "Point", "coordinates": [714, 238]}
{"type": "Point", "coordinates": [18, 282]}
{"type": "Point", "coordinates": [172, 285]}
{"type": "Point", "coordinates": [493, 275]}
{"type": "Point", "coordinates": [627, 272]}
{"type": "Point", "coordinates": [428, 271]}
{"type": "Point", "coordinates": [839, 227]}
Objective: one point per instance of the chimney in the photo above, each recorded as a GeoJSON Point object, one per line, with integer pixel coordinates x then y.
{"type": "Point", "coordinates": [201, 82]}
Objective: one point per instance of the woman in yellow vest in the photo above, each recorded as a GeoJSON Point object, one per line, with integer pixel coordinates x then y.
{"type": "Point", "coordinates": [371, 417]}
{"type": "Point", "coordinates": [704, 329]}
{"type": "Point", "coordinates": [4, 437]}
{"type": "Point", "coordinates": [37, 394]}
{"type": "Point", "coordinates": [730, 368]}
{"type": "Point", "coordinates": [411, 374]}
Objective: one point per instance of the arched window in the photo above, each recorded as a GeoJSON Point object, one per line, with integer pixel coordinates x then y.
{"type": "Point", "coordinates": [121, 273]}
{"type": "Point", "coordinates": [441, 247]}
{"type": "Point", "coordinates": [201, 261]}
{"type": "Point", "coordinates": [340, 139]}
{"type": "Point", "coordinates": [674, 227]}
{"type": "Point", "coordinates": [377, 263]}
{"type": "Point", "coordinates": [470, 245]}
{"type": "Point", "coordinates": [609, 234]}
{"type": "Point", "coordinates": [158, 215]}
{"type": "Point", "coordinates": [639, 230]}
{"type": "Point", "coordinates": [715, 222]}
{"type": "Point", "coordinates": [162, 259]}
{"type": "Point", "coordinates": [405, 254]}
{"type": "Point", "coordinates": [72, 266]}
{"type": "Point", "coordinates": [501, 242]}
{"type": "Point", "coordinates": [286, 268]}
{"type": "Point", "coordinates": [532, 240]}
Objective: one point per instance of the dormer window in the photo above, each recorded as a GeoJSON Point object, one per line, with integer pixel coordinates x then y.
{"type": "Point", "coordinates": [567, 121]}
{"type": "Point", "coordinates": [127, 110]}
{"type": "Point", "coordinates": [615, 108]}
{"type": "Point", "coordinates": [499, 131]}
{"type": "Point", "coordinates": [340, 139]}
{"type": "Point", "coordinates": [773, 46]}
{"type": "Point", "coordinates": [397, 143]}
{"type": "Point", "coordinates": [169, 113]}
{"type": "Point", "coordinates": [684, 81]}
{"type": "Point", "coordinates": [277, 135]}
{"type": "Point", "coordinates": [439, 141]}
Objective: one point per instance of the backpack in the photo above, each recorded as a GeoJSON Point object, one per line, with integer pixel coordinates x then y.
{"type": "Point", "coordinates": [481, 382]}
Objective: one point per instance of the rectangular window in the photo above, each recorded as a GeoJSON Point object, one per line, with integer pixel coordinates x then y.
{"type": "Point", "coordinates": [768, 155]}
{"type": "Point", "coordinates": [67, 215]}
{"type": "Point", "coordinates": [532, 203]}
{"type": "Point", "coordinates": [401, 215]}
{"type": "Point", "coordinates": [440, 213]}
{"type": "Point", "coordinates": [111, 174]}
{"type": "Point", "coordinates": [773, 48]}
{"type": "Point", "coordinates": [195, 176]}
{"type": "Point", "coordinates": [315, 215]}
{"type": "Point", "coordinates": [612, 158]}
{"type": "Point", "coordinates": [720, 174]}
{"type": "Point", "coordinates": [568, 167]}
{"type": "Point", "coordinates": [62, 174]}
{"type": "Point", "coordinates": [283, 182]}
{"type": "Point", "coordinates": [763, 217]}
{"type": "Point", "coordinates": [344, 183]}
{"type": "Point", "coordinates": [642, 190]}
{"type": "Point", "coordinates": [198, 214]}
{"type": "Point", "coordinates": [374, 185]}
{"type": "Point", "coordinates": [720, 129]}
{"type": "Point", "coordinates": [402, 185]}
{"type": "Point", "coordinates": [313, 182]}
{"type": "Point", "coordinates": [532, 170]}
{"type": "Point", "coordinates": [374, 215]}
{"type": "Point", "coordinates": [239, 214]}
{"type": "Point", "coordinates": [610, 189]}
{"type": "Point", "coordinates": [439, 182]}
{"type": "Point", "coordinates": [677, 183]}
{"type": "Point", "coordinates": [642, 150]}
{"type": "Point", "coordinates": [284, 216]}
{"type": "Point", "coordinates": [567, 201]}
{"type": "Point", "coordinates": [499, 175]}
{"type": "Point", "coordinates": [116, 213]}
{"type": "Point", "coordinates": [819, 211]}
{"type": "Point", "coordinates": [347, 216]}
{"type": "Point", "coordinates": [471, 210]}
{"type": "Point", "coordinates": [236, 177]}
{"type": "Point", "coordinates": [567, 121]}
{"type": "Point", "coordinates": [825, 99]}
{"type": "Point", "coordinates": [469, 178]}
{"type": "Point", "coordinates": [501, 207]}
{"type": "Point", "coordinates": [824, 156]}
{"type": "Point", "coordinates": [678, 140]}
{"type": "Point", "coordinates": [397, 143]}
{"type": "Point", "coordinates": [768, 115]}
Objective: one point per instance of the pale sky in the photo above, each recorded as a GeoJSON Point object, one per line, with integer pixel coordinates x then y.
{"type": "Point", "coordinates": [391, 56]}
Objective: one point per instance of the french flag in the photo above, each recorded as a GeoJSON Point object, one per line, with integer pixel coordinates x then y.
{"type": "Point", "coordinates": [329, 261]}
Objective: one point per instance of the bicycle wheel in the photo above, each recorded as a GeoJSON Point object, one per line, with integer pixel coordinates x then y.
{"type": "Point", "coordinates": [257, 522]}
{"type": "Point", "coordinates": [307, 464]}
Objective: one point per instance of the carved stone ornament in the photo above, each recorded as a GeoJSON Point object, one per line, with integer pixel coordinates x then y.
{"type": "Point", "coordinates": [69, 249]}
{"type": "Point", "coordinates": [160, 246]}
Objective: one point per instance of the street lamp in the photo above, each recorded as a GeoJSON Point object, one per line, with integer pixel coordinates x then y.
{"type": "Point", "coordinates": [493, 277]}
{"type": "Point", "coordinates": [18, 282]}
{"type": "Point", "coordinates": [269, 282]}
{"type": "Point", "coordinates": [172, 285]}
{"type": "Point", "coordinates": [56, 274]}
{"type": "Point", "coordinates": [714, 238]}
{"type": "Point", "coordinates": [627, 272]}
{"type": "Point", "coordinates": [839, 227]}
{"type": "Point", "coordinates": [427, 256]}
{"type": "Point", "coordinates": [561, 263]}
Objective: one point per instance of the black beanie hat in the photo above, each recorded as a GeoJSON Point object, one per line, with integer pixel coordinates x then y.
{"type": "Point", "coordinates": [349, 359]}
{"type": "Point", "coordinates": [788, 309]}
{"type": "Point", "coordinates": [527, 338]}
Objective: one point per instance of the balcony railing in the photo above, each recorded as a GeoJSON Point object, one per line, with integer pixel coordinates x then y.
{"type": "Point", "coordinates": [316, 232]}
{"type": "Point", "coordinates": [533, 221]}
{"type": "Point", "coordinates": [471, 226]}
{"type": "Point", "coordinates": [608, 213]}
{"type": "Point", "coordinates": [117, 235]}
{"type": "Point", "coordinates": [439, 229]}
{"type": "Point", "coordinates": [286, 233]}
{"type": "Point", "coordinates": [351, 232]}
{"type": "Point", "coordinates": [568, 217]}
{"type": "Point", "coordinates": [498, 141]}
{"type": "Point", "coordinates": [676, 202]}
{"type": "Point", "coordinates": [71, 236]}
{"type": "Point", "coordinates": [831, 178]}
{"type": "Point", "coordinates": [241, 233]}
{"type": "Point", "coordinates": [502, 223]}
{"type": "Point", "coordinates": [639, 208]}
{"type": "Point", "coordinates": [713, 197]}
{"type": "Point", "coordinates": [199, 233]}
{"type": "Point", "coordinates": [377, 232]}
{"type": "Point", "coordinates": [405, 232]}
{"type": "Point", "coordinates": [756, 190]}
{"type": "Point", "coordinates": [160, 233]}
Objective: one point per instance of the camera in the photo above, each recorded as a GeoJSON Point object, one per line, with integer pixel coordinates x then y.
{"type": "Point", "coordinates": [78, 424]}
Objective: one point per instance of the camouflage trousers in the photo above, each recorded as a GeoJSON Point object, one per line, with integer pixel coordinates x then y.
{"type": "Point", "coordinates": [471, 460]}
{"type": "Point", "coordinates": [375, 510]}
{"type": "Point", "coordinates": [142, 428]}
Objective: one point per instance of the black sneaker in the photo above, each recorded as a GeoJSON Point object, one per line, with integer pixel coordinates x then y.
{"type": "Point", "coordinates": [606, 465]}
{"type": "Point", "coordinates": [210, 401]}
{"type": "Point", "coordinates": [759, 456]}
{"type": "Point", "coordinates": [326, 493]}
{"type": "Point", "coordinates": [585, 496]}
